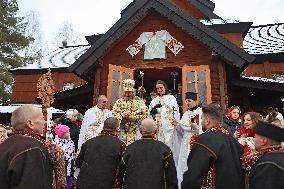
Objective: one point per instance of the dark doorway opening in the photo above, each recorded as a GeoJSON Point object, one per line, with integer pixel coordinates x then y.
{"type": "Point", "coordinates": [152, 75]}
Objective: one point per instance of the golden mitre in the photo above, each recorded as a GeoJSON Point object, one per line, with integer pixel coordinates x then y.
{"type": "Point", "coordinates": [128, 85]}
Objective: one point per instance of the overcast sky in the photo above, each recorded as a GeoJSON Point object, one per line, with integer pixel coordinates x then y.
{"type": "Point", "coordinates": [97, 16]}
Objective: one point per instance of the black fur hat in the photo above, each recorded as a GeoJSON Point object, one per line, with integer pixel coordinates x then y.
{"type": "Point", "coordinates": [270, 131]}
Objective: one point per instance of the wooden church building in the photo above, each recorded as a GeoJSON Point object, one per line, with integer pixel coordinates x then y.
{"type": "Point", "coordinates": [182, 42]}
{"type": "Point", "coordinates": [159, 37]}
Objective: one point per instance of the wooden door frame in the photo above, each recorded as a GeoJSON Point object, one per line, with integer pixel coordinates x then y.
{"type": "Point", "coordinates": [120, 69]}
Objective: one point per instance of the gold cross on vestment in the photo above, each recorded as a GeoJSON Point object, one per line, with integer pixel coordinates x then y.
{"type": "Point", "coordinates": [174, 110]}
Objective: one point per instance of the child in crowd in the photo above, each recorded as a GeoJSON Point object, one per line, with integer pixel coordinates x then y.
{"type": "Point", "coordinates": [70, 119]}
{"type": "Point", "coordinates": [63, 140]}
{"type": "Point", "coordinates": [232, 121]}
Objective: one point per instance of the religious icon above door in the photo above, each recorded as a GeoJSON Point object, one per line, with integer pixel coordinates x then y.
{"type": "Point", "coordinates": [155, 45]}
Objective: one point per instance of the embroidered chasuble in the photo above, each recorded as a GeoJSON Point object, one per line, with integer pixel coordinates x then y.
{"type": "Point", "coordinates": [95, 129]}
{"type": "Point", "coordinates": [129, 131]}
{"type": "Point", "coordinates": [93, 123]}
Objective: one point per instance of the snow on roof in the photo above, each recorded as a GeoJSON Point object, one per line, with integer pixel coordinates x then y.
{"type": "Point", "coordinates": [12, 107]}
{"type": "Point", "coordinates": [265, 39]}
{"type": "Point", "coordinates": [279, 77]}
{"type": "Point", "coordinates": [72, 88]}
{"type": "Point", "coordinates": [61, 57]}
{"type": "Point", "coordinates": [209, 22]}
{"type": "Point", "coordinates": [262, 79]}
{"type": "Point", "coordinates": [259, 40]}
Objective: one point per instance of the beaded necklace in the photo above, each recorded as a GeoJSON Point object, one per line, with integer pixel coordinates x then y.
{"type": "Point", "coordinates": [30, 134]}
{"type": "Point", "coordinates": [149, 136]}
{"type": "Point", "coordinates": [218, 128]}
{"type": "Point", "coordinates": [106, 132]}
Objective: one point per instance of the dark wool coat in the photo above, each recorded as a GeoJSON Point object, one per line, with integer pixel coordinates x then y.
{"type": "Point", "coordinates": [98, 160]}
{"type": "Point", "coordinates": [219, 151]}
{"type": "Point", "coordinates": [268, 172]}
{"type": "Point", "coordinates": [24, 163]}
{"type": "Point", "coordinates": [148, 164]}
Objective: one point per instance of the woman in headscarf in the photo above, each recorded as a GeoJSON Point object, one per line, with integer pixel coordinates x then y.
{"type": "Point", "coordinates": [232, 121]}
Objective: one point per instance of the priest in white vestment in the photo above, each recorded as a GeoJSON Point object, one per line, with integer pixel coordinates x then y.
{"type": "Point", "coordinates": [188, 126]}
{"type": "Point", "coordinates": [93, 120]}
{"type": "Point", "coordinates": [163, 109]}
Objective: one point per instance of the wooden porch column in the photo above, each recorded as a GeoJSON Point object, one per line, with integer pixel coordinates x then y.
{"type": "Point", "coordinates": [97, 82]}
{"type": "Point", "coordinates": [222, 86]}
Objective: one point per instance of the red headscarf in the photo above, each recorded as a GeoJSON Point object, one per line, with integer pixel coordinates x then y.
{"type": "Point", "coordinates": [229, 113]}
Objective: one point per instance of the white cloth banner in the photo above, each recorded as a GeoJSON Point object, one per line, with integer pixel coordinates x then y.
{"type": "Point", "coordinates": [147, 37]}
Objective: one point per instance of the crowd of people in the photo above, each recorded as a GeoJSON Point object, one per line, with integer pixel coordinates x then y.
{"type": "Point", "coordinates": [134, 146]}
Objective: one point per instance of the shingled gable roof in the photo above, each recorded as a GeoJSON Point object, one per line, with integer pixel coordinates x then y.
{"type": "Point", "coordinates": [232, 53]}
{"type": "Point", "coordinates": [206, 7]}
